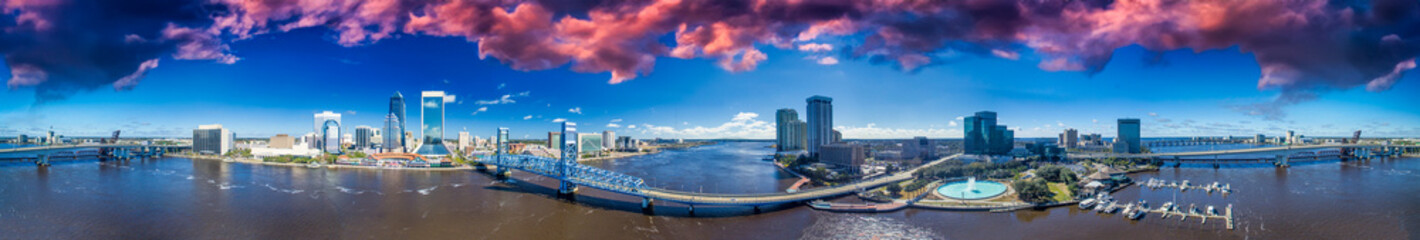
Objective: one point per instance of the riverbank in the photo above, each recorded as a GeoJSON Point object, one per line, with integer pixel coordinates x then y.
{"type": "Point", "coordinates": [327, 166]}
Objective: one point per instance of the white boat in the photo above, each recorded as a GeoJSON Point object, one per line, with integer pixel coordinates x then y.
{"type": "Point", "coordinates": [1138, 213]}
{"type": "Point", "coordinates": [1212, 211]}
{"type": "Point", "coordinates": [313, 165]}
{"type": "Point", "coordinates": [1102, 205]}
{"type": "Point", "coordinates": [1087, 203]}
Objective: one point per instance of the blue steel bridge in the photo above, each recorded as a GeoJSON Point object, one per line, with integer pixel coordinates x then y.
{"type": "Point", "coordinates": [572, 174]}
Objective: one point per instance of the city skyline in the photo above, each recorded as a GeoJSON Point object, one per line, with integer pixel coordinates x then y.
{"type": "Point", "coordinates": [270, 80]}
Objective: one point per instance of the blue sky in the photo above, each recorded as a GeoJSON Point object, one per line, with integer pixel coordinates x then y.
{"type": "Point", "coordinates": [284, 78]}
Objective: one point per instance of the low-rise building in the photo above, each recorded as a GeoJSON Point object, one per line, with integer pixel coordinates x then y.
{"type": "Point", "coordinates": [842, 154]}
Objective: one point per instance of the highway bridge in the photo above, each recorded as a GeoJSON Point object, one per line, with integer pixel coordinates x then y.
{"type": "Point", "coordinates": [42, 155]}
{"type": "Point", "coordinates": [572, 174]}
{"type": "Point", "coordinates": [1281, 155]}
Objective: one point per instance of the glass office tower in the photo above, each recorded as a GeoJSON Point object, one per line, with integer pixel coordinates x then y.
{"type": "Point", "coordinates": [431, 105]}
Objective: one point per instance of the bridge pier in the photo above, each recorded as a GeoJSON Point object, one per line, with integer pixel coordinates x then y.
{"type": "Point", "coordinates": [647, 205]}
{"type": "Point", "coordinates": [502, 173]}
{"type": "Point", "coordinates": [1283, 160]}
{"type": "Point", "coordinates": [692, 209]}
{"type": "Point", "coordinates": [42, 160]}
{"type": "Point", "coordinates": [567, 188]}
{"type": "Point", "coordinates": [756, 209]}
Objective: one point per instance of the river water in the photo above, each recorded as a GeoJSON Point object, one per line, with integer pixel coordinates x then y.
{"type": "Point", "coordinates": [177, 198]}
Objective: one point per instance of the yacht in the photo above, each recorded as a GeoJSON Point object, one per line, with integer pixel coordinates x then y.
{"type": "Point", "coordinates": [1212, 211]}
{"type": "Point", "coordinates": [1138, 213]}
{"type": "Point", "coordinates": [1087, 203]}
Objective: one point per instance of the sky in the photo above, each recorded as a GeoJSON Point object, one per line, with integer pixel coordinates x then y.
{"type": "Point", "coordinates": [159, 68]}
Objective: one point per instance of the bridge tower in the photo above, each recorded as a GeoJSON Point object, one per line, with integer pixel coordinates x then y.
{"type": "Point", "coordinates": [501, 141]}
{"type": "Point", "coordinates": [569, 158]}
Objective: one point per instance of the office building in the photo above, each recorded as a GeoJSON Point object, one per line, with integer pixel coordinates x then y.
{"type": "Point", "coordinates": [626, 144]}
{"type": "Point", "coordinates": [364, 137]}
{"type": "Point", "coordinates": [1069, 139]}
{"type": "Point", "coordinates": [327, 128]}
{"type": "Point", "coordinates": [24, 139]}
{"type": "Point", "coordinates": [282, 141]}
{"type": "Point", "coordinates": [842, 154]}
{"type": "Point", "coordinates": [608, 140]}
{"type": "Point", "coordinates": [981, 135]}
{"type": "Point", "coordinates": [1128, 139]}
{"type": "Point", "coordinates": [465, 141]}
{"type": "Point", "coordinates": [837, 136]}
{"type": "Point", "coordinates": [399, 140]}
{"type": "Point", "coordinates": [431, 114]}
{"type": "Point", "coordinates": [393, 139]}
{"type": "Point", "coordinates": [919, 148]}
{"type": "Point", "coordinates": [789, 130]}
{"type": "Point", "coordinates": [589, 143]}
{"type": "Point", "coordinates": [212, 139]}
{"type": "Point", "coordinates": [554, 140]}
{"type": "Point", "coordinates": [1259, 139]}
{"type": "Point", "coordinates": [820, 120]}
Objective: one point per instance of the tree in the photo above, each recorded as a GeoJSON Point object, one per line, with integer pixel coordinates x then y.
{"type": "Point", "coordinates": [1033, 191]}
{"type": "Point", "coordinates": [894, 190]}
{"type": "Point", "coordinates": [1056, 174]}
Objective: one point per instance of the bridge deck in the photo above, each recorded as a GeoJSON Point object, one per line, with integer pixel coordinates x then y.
{"type": "Point", "coordinates": [586, 176]}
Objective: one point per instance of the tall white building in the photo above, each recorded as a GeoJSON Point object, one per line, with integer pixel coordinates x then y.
{"type": "Point", "coordinates": [328, 134]}
{"type": "Point", "coordinates": [212, 139]}
{"type": "Point", "coordinates": [431, 111]}
{"type": "Point", "coordinates": [820, 119]}
{"type": "Point", "coordinates": [1069, 139]}
{"type": "Point", "coordinates": [465, 141]}
{"type": "Point", "coordinates": [607, 140]}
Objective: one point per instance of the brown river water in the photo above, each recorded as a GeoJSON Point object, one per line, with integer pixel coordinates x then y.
{"type": "Point", "coordinates": [176, 198]}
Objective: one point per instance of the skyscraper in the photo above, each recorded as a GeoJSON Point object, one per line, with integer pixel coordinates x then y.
{"type": "Point", "coordinates": [212, 139]}
{"type": "Point", "coordinates": [981, 135]}
{"type": "Point", "coordinates": [393, 137]}
{"type": "Point", "coordinates": [1069, 139]}
{"type": "Point", "coordinates": [465, 141]}
{"type": "Point", "coordinates": [431, 108]}
{"type": "Point", "coordinates": [820, 116]}
{"type": "Point", "coordinates": [327, 128]}
{"type": "Point", "coordinates": [1128, 139]}
{"type": "Point", "coordinates": [788, 132]}
{"type": "Point", "coordinates": [363, 137]}
{"type": "Point", "coordinates": [397, 109]}
{"type": "Point", "coordinates": [608, 140]}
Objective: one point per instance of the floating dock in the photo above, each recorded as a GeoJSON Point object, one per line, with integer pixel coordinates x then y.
{"type": "Point", "coordinates": [1185, 186]}
{"type": "Point", "coordinates": [1172, 210]}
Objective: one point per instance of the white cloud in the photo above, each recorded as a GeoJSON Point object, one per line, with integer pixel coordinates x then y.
{"type": "Point", "coordinates": [558, 120]}
{"type": "Point", "coordinates": [350, 112]}
{"type": "Point", "coordinates": [450, 98]}
{"type": "Point", "coordinates": [431, 104]}
{"type": "Point", "coordinates": [502, 85]}
{"type": "Point", "coordinates": [742, 125]}
{"type": "Point", "coordinates": [827, 61]}
{"type": "Point", "coordinates": [1058, 123]}
{"type": "Point", "coordinates": [815, 47]}
{"type": "Point", "coordinates": [505, 99]}
{"type": "Point", "coordinates": [630, 126]}
{"type": "Point", "coordinates": [872, 131]}
{"type": "Point", "coordinates": [1152, 114]}
{"type": "Point", "coordinates": [961, 118]}
{"type": "Point", "coordinates": [1095, 120]}
{"type": "Point", "coordinates": [527, 117]}
{"type": "Point", "coordinates": [613, 125]}
{"type": "Point", "coordinates": [480, 109]}
{"type": "Point", "coordinates": [684, 123]}
{"type": "Point", "coordinates": [616, 120]}
{"type": "Point", "coordinates": [577, 110]}
{"type": "Point", "coordinates": [952, 123]}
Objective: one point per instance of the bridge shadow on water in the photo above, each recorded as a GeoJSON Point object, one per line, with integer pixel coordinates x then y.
{"type": "Point", "coordinates": [604, 200]}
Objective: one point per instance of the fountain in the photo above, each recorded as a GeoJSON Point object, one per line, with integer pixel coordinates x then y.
{"type": "Point", "coordinates": [971, 184]}
{"type": "Point", "coordinates": [971, 189]}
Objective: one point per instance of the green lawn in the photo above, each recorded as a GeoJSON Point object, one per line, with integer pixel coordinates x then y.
{"type": "Point", "coordinates": [1062, 192]}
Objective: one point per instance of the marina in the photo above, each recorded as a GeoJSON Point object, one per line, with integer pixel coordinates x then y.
{"type": "Point", "coordinates": [1185, 185]}
{"type": "Point", "coordinates": [1137, 210]}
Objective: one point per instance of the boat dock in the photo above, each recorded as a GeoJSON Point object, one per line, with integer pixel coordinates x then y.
{"type": "Point", "coordinates": [1169, 210]}
{"type": "Point", "coordinates": [1186, 185]}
